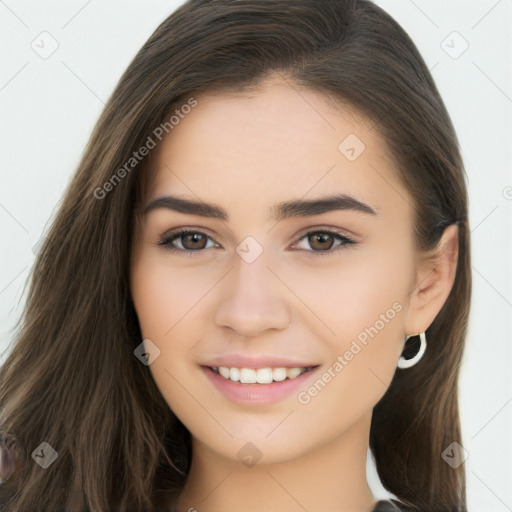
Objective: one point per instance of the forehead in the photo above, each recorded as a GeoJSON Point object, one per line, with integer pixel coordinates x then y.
{"type": "Point", "coordinates": [272, 143]}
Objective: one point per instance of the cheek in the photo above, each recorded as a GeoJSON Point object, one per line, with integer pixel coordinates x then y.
{"type": "Point", "coordinates": [364, 305]}
{"type": "Point", "coordinates": [163, 294]}
{"type": "Point", "coordinates": [164, 297]}
{"type": "Point", "coordinates": [350, 293]}
{"type": "Point", "coordinates": [359, 304]}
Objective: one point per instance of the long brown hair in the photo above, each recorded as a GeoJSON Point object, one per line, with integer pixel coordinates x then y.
{"type": "Point", "coordinates": [71, 379]}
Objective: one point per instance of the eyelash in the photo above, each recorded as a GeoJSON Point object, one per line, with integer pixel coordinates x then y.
{"type": "Point", "coordinates": [167, 239]}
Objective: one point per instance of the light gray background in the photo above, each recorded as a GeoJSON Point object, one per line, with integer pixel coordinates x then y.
{"type": "Point", "coordinates": [49, 106]}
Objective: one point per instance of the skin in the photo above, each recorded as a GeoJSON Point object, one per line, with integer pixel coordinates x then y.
{"type": "Point", "coordinates": [247, 152]}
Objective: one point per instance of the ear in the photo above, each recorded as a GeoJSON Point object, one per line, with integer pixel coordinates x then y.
{"type": "Point", "coordinates": [434, 280]}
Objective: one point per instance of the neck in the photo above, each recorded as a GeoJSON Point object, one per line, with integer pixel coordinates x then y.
{"type": "Point", "coordinates": [331, 477]}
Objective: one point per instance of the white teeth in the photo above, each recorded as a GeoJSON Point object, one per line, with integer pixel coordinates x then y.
{"type": "Point", "coordinates": [279, 374]}
{"type": "Point", "coordinates": [293, 372]}
{"type": "Point", "coordinates": [247, 376]}
{"type": "Point", "coordinates": [224, 371]}
{"type": "Point", "coordinates": [264, 376]}
{"type": "Point", "coordinates": [261, 375]}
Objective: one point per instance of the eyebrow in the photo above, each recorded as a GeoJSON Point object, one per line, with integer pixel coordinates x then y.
{"type": "Point", "coordinates": [284, 210]}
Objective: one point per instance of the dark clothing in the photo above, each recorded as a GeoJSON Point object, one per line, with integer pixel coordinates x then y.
{"type": "Point", "coordinates": [386, 506]}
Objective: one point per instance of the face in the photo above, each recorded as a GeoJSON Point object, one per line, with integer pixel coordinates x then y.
{"type": "Point", "coordinates": [305, 260]}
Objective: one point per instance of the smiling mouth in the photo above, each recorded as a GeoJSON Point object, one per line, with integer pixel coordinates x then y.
{"type": "Point", "coordinates": [265, 375]}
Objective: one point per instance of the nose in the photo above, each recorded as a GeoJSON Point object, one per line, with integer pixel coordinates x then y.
{"type": "Point", "coordinates": [253, 300]}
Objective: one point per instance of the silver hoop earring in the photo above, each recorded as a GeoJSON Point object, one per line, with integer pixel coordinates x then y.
{"type": "Point", "coordinates": [407, 363]}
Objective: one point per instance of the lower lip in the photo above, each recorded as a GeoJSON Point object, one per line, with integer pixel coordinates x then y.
{"type": "Point", "coordinates": [256, 394]}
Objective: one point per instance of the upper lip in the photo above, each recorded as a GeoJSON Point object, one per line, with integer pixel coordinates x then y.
{"type": "Point", "coordinates": [242, 361]}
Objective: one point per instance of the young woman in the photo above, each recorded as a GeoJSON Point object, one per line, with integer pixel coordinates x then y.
{"type": "Point", "coordinates": [260, 270]}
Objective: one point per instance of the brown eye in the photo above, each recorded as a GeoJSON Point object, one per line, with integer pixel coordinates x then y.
{"type": "Point", "coordinates": [186, 241]}
{"type": "Point", "coordinates": [327, 242]}
{"type": "Point", "coordinates": [193, 241]}
{"type": "Point", "coordinates": [320, 241]}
